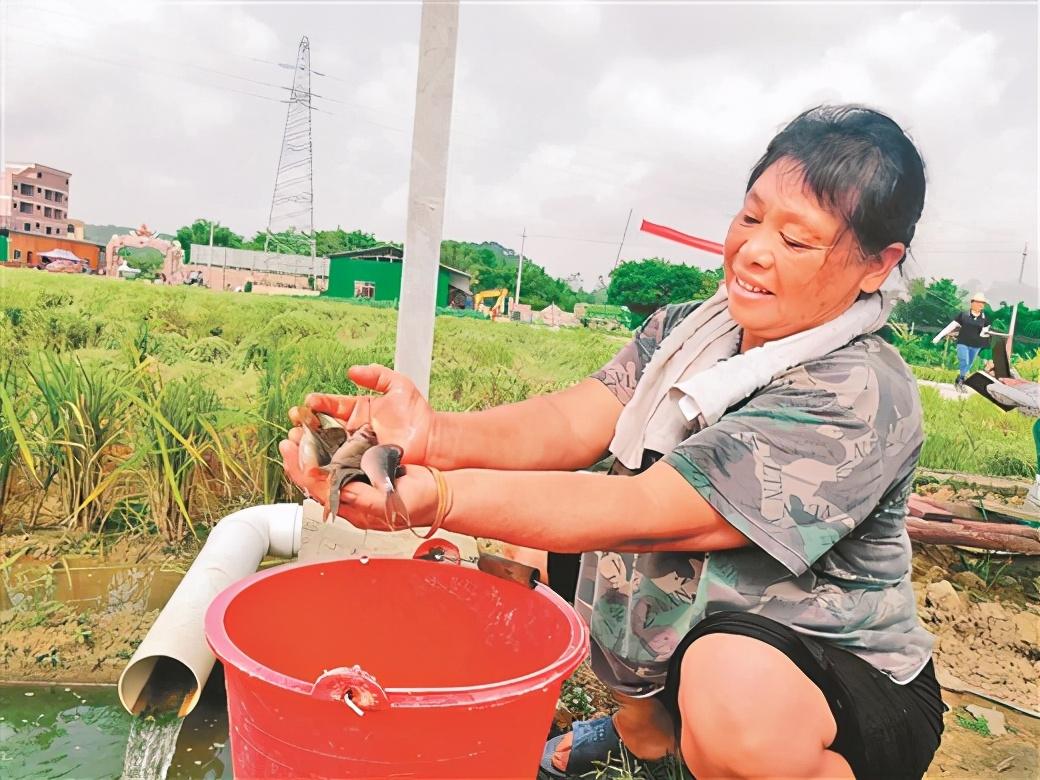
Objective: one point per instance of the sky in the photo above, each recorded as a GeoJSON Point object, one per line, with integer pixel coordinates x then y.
{"type": "Point", "coordinates": [566, 116]}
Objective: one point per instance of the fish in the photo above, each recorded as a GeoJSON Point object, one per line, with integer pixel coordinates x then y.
{"type": "Point", "coordinates": [345, 465]}
{"type": "Point", "coordinates": [322, 436]}
{"type": "Point", "coordinates": [326, 445]}
{"type": "Point", "coordinates": [381, 465]}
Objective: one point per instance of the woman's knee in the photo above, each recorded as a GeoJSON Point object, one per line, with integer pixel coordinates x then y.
{"type": "Point", "coordinates": [746, 709]}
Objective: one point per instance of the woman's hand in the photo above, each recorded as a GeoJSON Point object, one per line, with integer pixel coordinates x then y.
{"type": "Point", "coordinates": [400, 415]}
{"type": "Point", "coordinates": [363, 505]}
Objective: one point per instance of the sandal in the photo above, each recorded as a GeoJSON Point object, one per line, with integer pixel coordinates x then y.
{"type": "Point", "coordinates": [595, 743]}
{"type": "Point", "coordinates": [597, 751]}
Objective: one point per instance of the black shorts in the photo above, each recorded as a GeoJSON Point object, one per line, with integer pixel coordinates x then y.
{"type": "Point", "coordinates": [885, 730]}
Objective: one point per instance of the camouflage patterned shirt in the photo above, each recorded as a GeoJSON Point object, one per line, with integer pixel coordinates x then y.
{"type": "Point", "coordinates": [815, 470]}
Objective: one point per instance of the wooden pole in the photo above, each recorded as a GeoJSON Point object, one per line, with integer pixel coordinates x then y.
{"type": "Point", "coordinates": [520, 267]}
{"type": "Point", "coordinates": [434, 92]}
{"type": "Point", "coordinates": [956, 533]}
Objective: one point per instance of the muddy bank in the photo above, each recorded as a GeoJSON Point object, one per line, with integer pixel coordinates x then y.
{"type": "Point", "coordinates": [66, 646]}
{"type": "Point", "coordinates": [74, 609]}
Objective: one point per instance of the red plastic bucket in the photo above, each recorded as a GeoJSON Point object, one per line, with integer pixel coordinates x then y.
{"type": "Point", "coordinates": [391, 668]}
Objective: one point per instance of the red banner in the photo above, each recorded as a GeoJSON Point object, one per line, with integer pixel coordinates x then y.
{"type": "Point", "coordinates": [683, 238]}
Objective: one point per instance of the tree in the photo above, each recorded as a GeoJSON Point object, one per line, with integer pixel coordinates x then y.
{"type": "Point", "coordinates": [287, 242]}
{"type": "Point", "coordinates": [332, 241]}
{"type": "Point", "coordinates": [646, 285]}
{"type": "Point", "coordinates": [932, 304]}
{"type": "Point", "coordinates": [493, 266]}
{"type": "Point", "coordinates": [147, 260]}
{"type": "Point", "coordinates": [198, 233]}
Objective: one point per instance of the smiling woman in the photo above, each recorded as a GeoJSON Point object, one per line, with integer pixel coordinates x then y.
{"type": "Point", "coordinates": [749, 601]}
{"type": "Point", "coordinates": [830, 210]}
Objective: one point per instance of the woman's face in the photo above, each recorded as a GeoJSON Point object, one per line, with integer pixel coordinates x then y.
{"type": "Point", "coordinates": [790, 264]}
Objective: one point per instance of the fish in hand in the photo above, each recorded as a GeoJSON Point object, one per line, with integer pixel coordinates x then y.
{"type": "Point", "coordinates": [346, 457]}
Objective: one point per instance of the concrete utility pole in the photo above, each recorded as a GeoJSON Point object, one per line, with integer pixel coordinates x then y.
{"type": "Point", "coordinates": [314, 260]}
{"type": "Point", "coordinates": [210, 260]}
{"type": "Point", "coordinates": [1022, 270]}
{"type": "Point", "coordinates": [434, 91]}
{"type": "Point", "coordinates": [519, 268]}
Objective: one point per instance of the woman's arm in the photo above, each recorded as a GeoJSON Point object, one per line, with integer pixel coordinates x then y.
{"type": "Point", "coordinates": [655, 511]}
{"type": "Point", "coordinates": [566, 430]}
{"type": "Point", "coordinates": [561, 511]}
{"type": "Point", "coordinates": [569, 429]}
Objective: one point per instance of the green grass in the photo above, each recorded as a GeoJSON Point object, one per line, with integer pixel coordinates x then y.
{"type": "Point", "coordinates": [976, 437]}
{"type": "Point", "coordinates": [220, 338]}
{"type": "Point", "coordinates": [933, 374]}
{"type": "Point", "coordinates": [968, 721]}
{"type": "Point", "coordinates": [258, 355]}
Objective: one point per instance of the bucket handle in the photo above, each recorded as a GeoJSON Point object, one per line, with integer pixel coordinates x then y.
{"type": "Point", "coordinates": [353, 686]}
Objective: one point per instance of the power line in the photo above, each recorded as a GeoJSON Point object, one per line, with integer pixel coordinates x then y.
{"type": "Point", "coordinates": [294, 177]}
{"type": "Point", "coordinates": [165, 74]}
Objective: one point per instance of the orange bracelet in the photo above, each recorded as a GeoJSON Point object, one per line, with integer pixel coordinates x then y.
{"type": "Point", "coordinates": [443, 502]}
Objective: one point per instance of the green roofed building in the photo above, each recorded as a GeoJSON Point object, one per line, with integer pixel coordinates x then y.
{"type": "Point", "coordinates": [375, 273]}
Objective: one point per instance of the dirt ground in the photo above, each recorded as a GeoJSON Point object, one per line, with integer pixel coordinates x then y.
{"type": "Point", "coordinates": [75, 609]}
{"type": "Point", "coordinates": [967, 753]}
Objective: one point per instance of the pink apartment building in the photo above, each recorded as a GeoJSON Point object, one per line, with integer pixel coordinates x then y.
{"type": "Point", "coordinates": [35, 199]}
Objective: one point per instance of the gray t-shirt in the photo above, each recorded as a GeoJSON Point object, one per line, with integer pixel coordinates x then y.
{"type": "Point", "coordinates": [815, 469]}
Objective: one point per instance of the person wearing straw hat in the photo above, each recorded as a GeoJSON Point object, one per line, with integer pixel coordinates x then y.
{"type": "Point", "coordinates": [973, 333]}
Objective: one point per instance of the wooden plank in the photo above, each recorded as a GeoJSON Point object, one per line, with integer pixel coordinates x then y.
{"type": "Point", "coordinates": [1002, 485]}
{"type": "Point", "coordinates": [932, 532]}
{"type": "Point", "coordinates": [1019, 513]}
{"type": "Point", "coordinates": [1001, 364]}
{"type": "Point", "coordinates": [1012, 529]}
{"type": "Point", "coordinates": [978, 382]}
{"type": "Point", "coordinates": [959, 509]}
{"type": "Point", "coordinates": [918, 506]}
{"type": "Point", "coordinates": [986, 511]}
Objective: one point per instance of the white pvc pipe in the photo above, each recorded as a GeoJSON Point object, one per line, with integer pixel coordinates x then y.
{"type": "Point", "coordinates": [177, 640]}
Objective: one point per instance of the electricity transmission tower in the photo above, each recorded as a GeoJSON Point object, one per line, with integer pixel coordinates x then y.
{"type": "Point", "coordinates": [292, 204]}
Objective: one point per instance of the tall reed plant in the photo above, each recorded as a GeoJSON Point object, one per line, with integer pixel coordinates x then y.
{"type": "Point", "coordinates": [176, 443]}
{"type": "Point", "coordinates": [82, 419]}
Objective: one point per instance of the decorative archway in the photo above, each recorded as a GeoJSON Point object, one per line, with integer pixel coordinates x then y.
{"type": "Point", "coordinates": [141, 238]}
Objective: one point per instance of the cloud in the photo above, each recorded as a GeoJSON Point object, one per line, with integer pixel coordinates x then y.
{"type": "Point", "coordinates": [568, 18]}
{"type": "Point", "coordinates": [566, 115]}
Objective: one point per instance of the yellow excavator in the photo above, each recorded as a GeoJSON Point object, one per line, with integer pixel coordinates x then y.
{"type": "Point", "coordinates": [498, 307]}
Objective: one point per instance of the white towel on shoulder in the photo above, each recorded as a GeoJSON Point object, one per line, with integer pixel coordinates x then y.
{"type": "Point", "coordinates": [695, 374]}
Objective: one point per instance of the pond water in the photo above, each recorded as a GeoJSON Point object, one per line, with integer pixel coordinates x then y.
{"type": "Point", "coordinates": [87, 585]}
{"type": "Point", "coordinates": [65, 731]}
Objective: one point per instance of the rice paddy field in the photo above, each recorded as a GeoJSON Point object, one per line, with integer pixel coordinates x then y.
{"type": "Point", "coordinates": [138, 407]}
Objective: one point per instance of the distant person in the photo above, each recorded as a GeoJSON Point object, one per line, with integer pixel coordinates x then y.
{"type": "Point", "coordinates": [973, 333]}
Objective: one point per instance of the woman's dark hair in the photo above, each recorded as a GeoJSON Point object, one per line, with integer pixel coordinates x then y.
{"type": "Point", "coordinates": [859, 164]}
